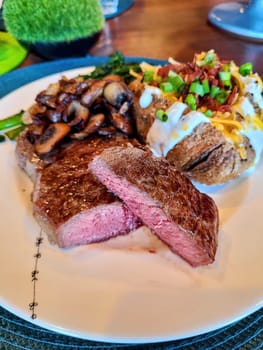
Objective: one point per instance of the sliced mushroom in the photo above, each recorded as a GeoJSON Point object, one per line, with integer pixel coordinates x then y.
{"type": "Point", "coordinates": [27, 117]}
{"type": "Point", "coordinates": [34, 132]}
{"type": "Point", "coordinates": [95, 91]}
{"type": "Point", "coordinates": [116, 93]}
{"type": "Point", "coordinates": [53, 89]}
{"type": "Point", "coordinates": [68, 86]}
{"type": "Point", "coordinates": [82, 86]}
{"type": "Point", "coordinates": [55, 115]}
{"type": "Point", "coordinates": [37, 109]}
{"type": "Point", "coordinates": [124, 108]}
{"type": "Point", "coordinates": [46, 100]}
{"type": "Point", "coordinates": [93, 125]}
{"type": "Point", "coordinates": [51, 137]}
{"type": "Point", "coordinates": [107, 130]}
{"type": "Point", "coordinates": [79, 112]}
{"type": "Point", "coordinates": [121, 122]}
{"type": "Point", "coordinates": [64, 98]}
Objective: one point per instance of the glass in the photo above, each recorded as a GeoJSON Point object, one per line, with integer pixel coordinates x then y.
{"type": "Point", "coordinates": [109, 7]}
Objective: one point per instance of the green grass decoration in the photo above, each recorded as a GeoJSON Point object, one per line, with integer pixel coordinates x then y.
{"type": "Point", "coordinates": [52, 21]}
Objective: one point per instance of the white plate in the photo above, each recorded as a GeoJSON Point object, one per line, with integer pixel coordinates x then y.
{"type": "Point", "coordinates": [120, 290]}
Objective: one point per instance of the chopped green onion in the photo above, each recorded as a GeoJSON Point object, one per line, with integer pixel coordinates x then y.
{"type": "Point", "coordinates": [246, 69]}
{"type": "Point", "coordinates": [224, 76]}
{"type": "Point", "coordinates": [11, 121]}
{"type": "Point", "coordinates": [227, 83]}
{"type": "Point", "coordinates": [214, 91]}
{"type": "Point", "coordinates": [206, 86]}
{"type": "Point", "coordinates": [171, 73]}
{"type": "Point", "coordinates": [190, 100]}
{"type": "Point", "coordinates": [177, 82]}
{"type": "Point", "coordinates": [148, 76]}
{"type": "Point", "coordinates": [197, 88]}
{"type": "Point", "coordinates": [161, 115]}
{"type": "Point", "coordinates": [2, 138]}
{"type": "Point", "coordinates": [208, 113]}
{"type": "Point", "coordinates": [14, 133]}
{"type": "Point", "coordinates": [221, 96]}
{"type": "Point", "coordinates": [166, 87]}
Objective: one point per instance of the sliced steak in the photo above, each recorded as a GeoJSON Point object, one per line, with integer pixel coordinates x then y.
{"type": "Point", "coordinates": [165, 200]}
{"type": "Point", "coordinates": [71, 205]}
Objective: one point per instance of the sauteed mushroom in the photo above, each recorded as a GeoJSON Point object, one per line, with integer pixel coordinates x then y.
{"type": "Point", "coordinates": [46, 100]}
{"type": "Point", "coordinates": [93, 125]}
{"type": "Point", "coordinates": [121, 122]}
{"type": "Point", "coordinates": [55, 115]}
{"type": "Point", "coordinates": [116, 93]}
{"type": "Point", "coordinates": [107, 130]}
{"type": "Point", "coordinates": [51, 137]}
{"type": "Point", "coordinates": [79, 112]}
{"type": "Point", "coordinates": [93, 93]}
{"type": "Point", "coordinates": [124, 108]}
{"type": "Point", "coordinates": [78, 108]}
{"type": "Point", "coordinates": [53, 89]}
{"type": "Point", "coordinates": [34, 131]}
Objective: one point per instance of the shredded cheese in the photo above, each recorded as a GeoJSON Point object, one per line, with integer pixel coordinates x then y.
{"type": "Point", "coordinates": [134, 74]}
{"type": "Point", "coordinates": [233, 123]}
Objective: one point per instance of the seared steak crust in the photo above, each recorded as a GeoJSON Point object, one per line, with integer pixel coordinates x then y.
{"type": "Point", "coordinates": [163, 199]}
{"type": "Point", "coordinates": [70, 204]}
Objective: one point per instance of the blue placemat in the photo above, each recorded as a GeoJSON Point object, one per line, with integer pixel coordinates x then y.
{"type": "Point", "coordinates": [16, 333]}
{"type": "Point", "coordinates": [123, 6]}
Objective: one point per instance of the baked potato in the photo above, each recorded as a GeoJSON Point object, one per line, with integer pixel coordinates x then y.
{"type": "Point", "coordinates": [205, 117]}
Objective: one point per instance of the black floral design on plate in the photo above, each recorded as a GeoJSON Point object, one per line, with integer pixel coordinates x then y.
{"type": "Point", "coordinates": [34, 276]}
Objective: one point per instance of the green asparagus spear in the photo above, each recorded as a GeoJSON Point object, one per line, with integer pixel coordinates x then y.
{"type": "Point", "coordinates": [11, 121]}
{"type": "Point", "coordinates": [14, 133]}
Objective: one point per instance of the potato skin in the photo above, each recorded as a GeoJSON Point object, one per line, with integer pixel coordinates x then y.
{"type": "Point", "coordinates": [206, 156]}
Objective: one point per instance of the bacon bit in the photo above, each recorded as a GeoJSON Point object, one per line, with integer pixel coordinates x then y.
{"type": "Point", "coordinates": [164, 71]}
{"type": "Point", "coordinates": [224, 108]}
{"type": "Point", "coordinates": [211, 103]}
{"type": "Point", "coordinates": [213, 81]}
{"type": "Point", "coordinates": [191, 76]}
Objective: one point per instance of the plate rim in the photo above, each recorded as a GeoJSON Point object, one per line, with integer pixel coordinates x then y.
{"type": "Point", "coordinates": [250, 309]}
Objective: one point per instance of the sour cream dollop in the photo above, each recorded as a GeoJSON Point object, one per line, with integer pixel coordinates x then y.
{"type": "Point", "coordinates": [147, 95]}
{"type": "Point", "coordinates": [163, 136]}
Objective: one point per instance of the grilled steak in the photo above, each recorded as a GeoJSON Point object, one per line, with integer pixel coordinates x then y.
{"type": "Point", "coordinates": [26, 158]}
{"type": "Point", "coordinates": [69, 203]}
{"type": "Point", "coordinates": [166, 201]}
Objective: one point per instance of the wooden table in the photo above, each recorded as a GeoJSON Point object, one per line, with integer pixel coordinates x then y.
{"type": "Point", "coordinates": [164, 28]}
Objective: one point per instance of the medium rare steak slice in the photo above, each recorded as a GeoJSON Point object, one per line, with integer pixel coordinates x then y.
{"type": "Point", "coordinates": [72, 206]}
{"type": "Point", "coordinates": [166, 201]}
